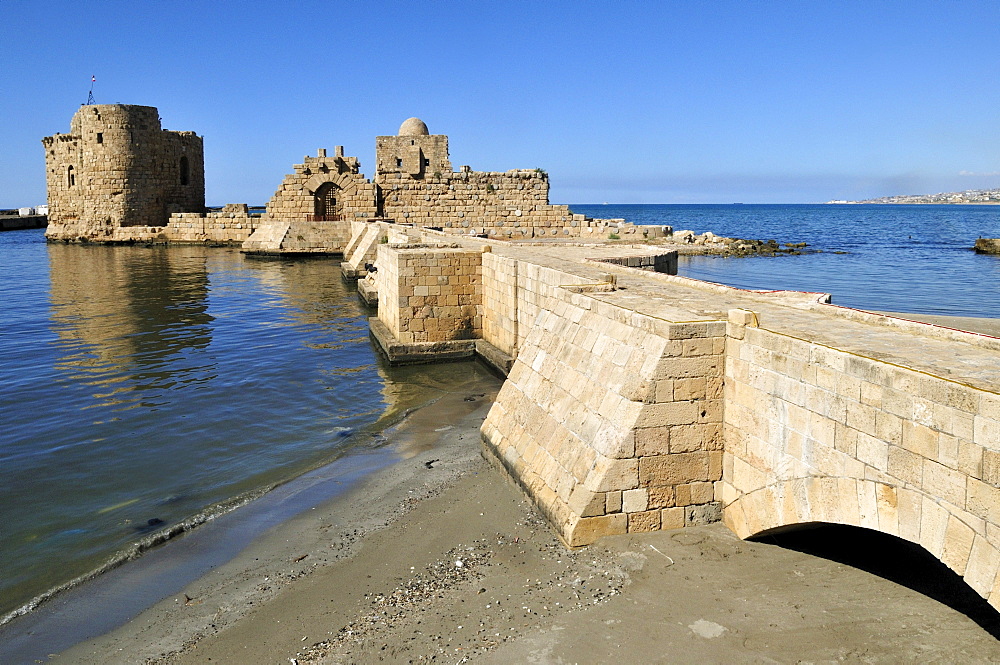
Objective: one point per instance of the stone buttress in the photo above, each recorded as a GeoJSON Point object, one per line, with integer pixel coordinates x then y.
{"type": "Point", "coordinates": [611, 421]}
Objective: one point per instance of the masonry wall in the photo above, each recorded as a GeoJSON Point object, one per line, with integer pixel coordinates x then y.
{"type": "Point", "coordinates": [609, 420]}
{"type": "Point", "coordinates": [615, 422]}
{"type": "Point", "coordinates": [512, 204]}
{"type": "Point", "coordinates": [295, 198]}
{"type": "Point", "coordinates": [118, 168]}
{"type": "Point", "coordinates": [214, 227]}
{"type": "Point", "coordinates": [415, 155]}
{"type": "Point", "coordinates": [815, 434]}
{"type": "Point", "coordinates": [501, 303]}
{"type": "Point", "coordinates": [430, 293]}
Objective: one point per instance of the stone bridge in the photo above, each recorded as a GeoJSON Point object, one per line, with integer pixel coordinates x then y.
{"type": "Point", "coordinates": [638, 401]}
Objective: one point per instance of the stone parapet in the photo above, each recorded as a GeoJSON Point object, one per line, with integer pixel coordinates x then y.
{"type": "Point", "coordinates": [664, 262]}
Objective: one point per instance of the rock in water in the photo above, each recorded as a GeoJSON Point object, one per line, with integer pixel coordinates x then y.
{"type": "Point", "coordinates": [987, 246]}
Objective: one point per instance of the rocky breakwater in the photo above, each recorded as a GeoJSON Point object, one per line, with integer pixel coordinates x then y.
{"type": "Point", "coordinates": [690, 243]}
{"type": "Point", "coordinates": [987, 246]}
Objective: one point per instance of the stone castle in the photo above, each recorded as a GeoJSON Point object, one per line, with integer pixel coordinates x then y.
{"type": "Point", "coordinates": [118, 169]}
{"type": "Point", "coordinates": [634, 400]}
{"type": "Point", "coordinates": [118, 177]}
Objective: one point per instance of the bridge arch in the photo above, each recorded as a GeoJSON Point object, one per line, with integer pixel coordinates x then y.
{"type": "Point", "coordinates": [957, 538]}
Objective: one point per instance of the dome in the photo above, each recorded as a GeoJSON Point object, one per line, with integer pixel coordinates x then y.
{"type": "Point", "coordinates": [413, 127]}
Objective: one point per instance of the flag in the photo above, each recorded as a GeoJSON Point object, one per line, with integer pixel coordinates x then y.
{"type": "Point", "coordinates": [93, 78]}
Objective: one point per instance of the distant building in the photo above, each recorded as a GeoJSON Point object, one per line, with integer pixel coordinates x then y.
{"type": "Point", "coordinates": [414, 184]}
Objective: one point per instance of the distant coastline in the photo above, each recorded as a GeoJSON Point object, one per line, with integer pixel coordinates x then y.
{"type": "Point", "coordinates": [968, 197]}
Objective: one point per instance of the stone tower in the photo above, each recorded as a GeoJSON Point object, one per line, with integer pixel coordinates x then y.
{"type": "Point", "coordinates": [117, 168]}
{"type": "Point", "coordinates": [414, 151]}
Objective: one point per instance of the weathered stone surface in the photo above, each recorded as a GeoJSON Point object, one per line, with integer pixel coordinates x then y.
{"type": "Point", "coordinates": [590, 529]}
{"type": "Point", "coordinates": [118, 170]}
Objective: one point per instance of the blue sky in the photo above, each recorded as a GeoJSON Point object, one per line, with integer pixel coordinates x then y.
{"type": "Point", "coordinates": [627, 102]}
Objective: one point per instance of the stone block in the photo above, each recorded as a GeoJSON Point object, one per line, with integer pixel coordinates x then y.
{"type": "Point", "coordinates": [908, 509]}
{"type": "Point", "coordinates": [703, 514]}
{"type": "Point", "coordinates": [983, 500]}
{"type": "Point", "coordinates": [920, 439]}
{"type": "Point", "coordinates": [933, 523]}
{"type": "Point", "coordinates": [984, 562]}
{"type": "Point", "coordinates": [668, 413]}
{"type": "Point", "coordinates": [613, 502]}
{"type": "Point", "coordinates": [589, 529]}
{"type": "Point", "coordinates": [873, 452]}
{"type": "Point", "coordinates": [585, 503]}
{"type": "Point", "coordinates": [652, 441]}
{"type": "Point", "coordinates": [644, 521]}
{"type": "Point", "coordinates": [743, 317]}
{"type": "Point", "coordinates": [613, 474]}
{"type": "Point", "coordinates": [661, 470]}
{"type": "Point", "coordinates": [888, 509]}
{"type": "Point", "coordinates": [867, 505]}
{"type": "Point", "coordinates": [906, 466]}
{"type": "Point", "coordinates": [702, 492]}
{"type": "Point", "coordinates": [941, 482]}
{"type": "Point", "coordinates": [660, 497]}
{"type": "Point", "coordinates": [991, 466]}
{"type": "Point", "coordinates": [701, 436]}
{"type": "Point", "coordinates": [634, 501]}
{"type": "Point", "coordinates": [957, 545]}
{"type": "Point", "coordinates": [672, 518]}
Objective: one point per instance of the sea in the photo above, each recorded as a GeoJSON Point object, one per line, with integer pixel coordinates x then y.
{"type": "Point", "coordinates": [895, 258]}
{"type": "Point", "coordinates": [145, 390]}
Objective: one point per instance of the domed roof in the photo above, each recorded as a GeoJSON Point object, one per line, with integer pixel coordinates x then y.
{"type": "Point", "coordinates": [413, 127]}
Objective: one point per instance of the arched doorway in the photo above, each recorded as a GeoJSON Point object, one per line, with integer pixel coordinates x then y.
{"type": "Point", "coordinates": [327, 205]}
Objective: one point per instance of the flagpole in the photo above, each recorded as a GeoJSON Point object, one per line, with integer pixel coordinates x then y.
{"type": "Point", "coordinates": [90, 97]}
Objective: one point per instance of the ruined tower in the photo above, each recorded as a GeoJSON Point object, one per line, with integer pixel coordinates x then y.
{"type": "Point", "coordinates": [414, 151]}
{"type": "Point", "coordinates": [118, 168]}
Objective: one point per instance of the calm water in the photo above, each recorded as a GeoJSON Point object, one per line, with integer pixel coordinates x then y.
{"type": "Point", "coordinates": [899, 258]}
{"type": "Point", "coordinates": [142, 384]}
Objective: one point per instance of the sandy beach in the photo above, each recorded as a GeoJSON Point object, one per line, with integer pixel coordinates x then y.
{"type": "Point", "coordinates": [438, 558]}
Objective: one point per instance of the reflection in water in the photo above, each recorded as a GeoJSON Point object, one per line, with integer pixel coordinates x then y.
{"type": "Point", "coordinates": [306, 300]}
{"type": "Point", "coordinates": [124, 315]}
{"type": "Point", "coordinates": [142, 386]}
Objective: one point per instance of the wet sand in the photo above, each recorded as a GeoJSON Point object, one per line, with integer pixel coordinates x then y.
{"type": "Point", "coordinates": [438, 558]}
{"type": "Point", "coordinates": [468, 571]}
